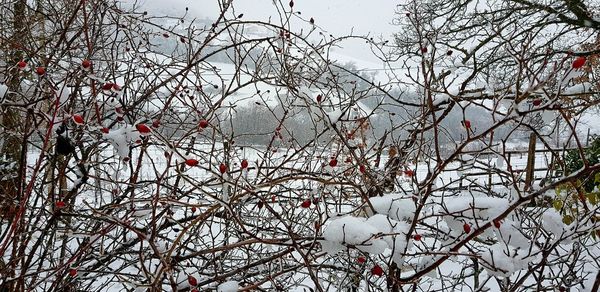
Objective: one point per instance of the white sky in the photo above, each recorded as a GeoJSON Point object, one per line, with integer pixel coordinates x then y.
{"type": "Point", "coordinates": [337, 17]}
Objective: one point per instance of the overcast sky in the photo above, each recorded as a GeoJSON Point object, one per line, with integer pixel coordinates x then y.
{"type": "Point", "coordinates": [338, 17]}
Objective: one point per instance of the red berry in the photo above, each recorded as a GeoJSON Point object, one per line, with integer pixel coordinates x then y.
{"type": "Point", "coordinates": [244, 164]}
{"type": "Point", "coordinates": [537, 102]}
{"type": "Point", "coordinates": [193, 209]}
{"type": "Point", "coordinates": [496, 223]}
{"type": "Point", "coordinates": [333, 162]}
{"type": "Point", "coordinates": [156, 123]}
{"type": "Point", "coordinates": [467, 124]}
{"type": "Point", "coordinates": [260, 204]}
{"type": "Point", "coordinates": [417, 237]}
{"type": "Point", "coordinates": [192, 280]}
{"type": "Point", "coordinates": [319, 98]}
{"type": "Point", "coordinates": [579, 62]}
{"type": "Point", "coordinates": [142, 128]}
{"type": "Point", "coordinates": [409, 172]}
{"type": "Point", "coordinates": [73, 272]}
{"type": "Point", "coordinates": [105, 130]}
{"type": "Point", "coordinates": [273, 198]}
{"type": "Point", "coordinates": [60, 204]}
{"type": "Point", "coordinates": [361, 260]}
{"type": "Point", "coordinates": [191, 162]}
{"type": "Point", "coordinates": [377, 270]}
{"type": "Point", "coordinates": [40, 71]}
{"type": "Point", "coordinates": [362, 168]}
{"type": "Point", "coordinates": [306, 204]}
{"type": "Point", "coordinates": [467, 228]}
{"type": "Point", "coordinates": [78, 119]}
{"type": "Point", "coordinates": [116, 87]}
{"type": "Point", "coordinates": [423, 50]}
{"type": "Point", "coordinates": [107, 86]}
{"type": "Point", "coordinates": [203, 124]}
{"type": "Point", "coordinates": [223, 168]}
{"type": "Point", "coordinates": [86, 64]}
{"type": "Point", "coordinates": [21, 64]}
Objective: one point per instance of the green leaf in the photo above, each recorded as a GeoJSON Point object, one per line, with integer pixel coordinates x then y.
{"type": "Point", "coordinates": [567, 219]}
{"type": "Point", "coordinates": [557, 205]}
{"type": "Point", "coordinates": [592, 198]}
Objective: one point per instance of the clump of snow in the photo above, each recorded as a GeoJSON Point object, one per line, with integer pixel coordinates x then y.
{"type": "Point", "coordinates": [3, 90]}
{"type": "Point", "coordinates": [364, 109]}
{"type": "Point", "coordinates": [334, 116]}
{"type": "Point", "coordinates": [426, 261]}
{"type": "Point", "coordinates": [472, 210]}
{"type": "Point", "coordinates": [63, 94]}
{"type": "Point", "coordinates": [502, 260]}
{"type": "Point", "coordinates": [440, 98]}
{"type": "Point", "coordinates": [355, 231]}
{"type": "Point", "coordinates": [394, 206]}
{"type": "Point", "coordinates": [396, 241]}
{"type": "Point", "coordinates": [142, 212]}
{"type": "Point", "coordinates": [500, 161]}
{"type": "Point", "coordinates": [229, 286]}
{"type": "Point", "coordinates": [120, 138]}
{"type": "Point", "coordinates": [553, 223]}
{"type": "Point", "coordinates": [569, 76]}
{"type": "Point", "coordinates": [510, 233]}
{"type": "Point", "coordinates": [373, 235]}
{"type": "Point", "coordinates": [578, 88]}
{"type": "Point", "coordinates": [161, 245]}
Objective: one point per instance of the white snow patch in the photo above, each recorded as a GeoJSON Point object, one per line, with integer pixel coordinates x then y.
{"type": "Point", "coordinates": [334, 116]}
{"type": "Point", "coordinates": [552, 222]}
{"type": "Point", "coordinates": [578, 89]}
{"type": "Point", "coordinates": [374, 235]}
{"type": "Point", "coordinates": [3, 90]}
{"type": "Point", "coordinates": [354, 231]}
{"type": "Point", "coordinates": [394, 206]}
{"type": "Point", "coordinates": [229, 286]}
{"type": "Point", "coordinates": [502, 260]}
{"type": "Point", "coordinates": [472, 210]}
{"type": "Point", "coordinates": [120, 138]}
